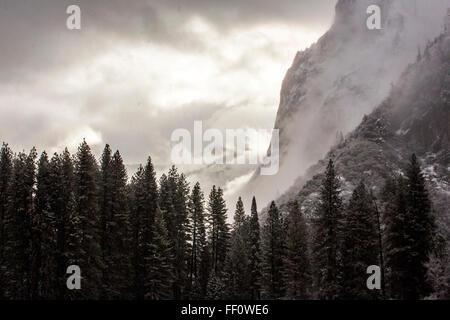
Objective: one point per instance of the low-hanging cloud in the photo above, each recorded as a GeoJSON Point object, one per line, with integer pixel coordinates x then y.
{"type": "Point", "coordinates": [137, 70]}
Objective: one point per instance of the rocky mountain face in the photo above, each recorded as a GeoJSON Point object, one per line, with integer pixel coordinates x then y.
{"type": "Point", "coordinates": [414, 118]}
{"type": "Point", "coordinates": [345, 75]}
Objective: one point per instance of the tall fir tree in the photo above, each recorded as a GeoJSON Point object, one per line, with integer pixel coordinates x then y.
{"type": "Point", "coordinates": [117, 259]}
{"type": "Point", "coordinates": [44, 237]}
{"type": "Point", "coordinates": [409, 235]}
{"type": "Point", "coordinates": [395, 237]}
{"type": "Point", "coordinates": [6, 170]}
{"type": "Point", "coordinates": [438, 266]}
{"type": "Point", "coordinates": [198, 275]}
{"type": "Point", "coordinates": [360, 245]}
{"type": "Point", "coordinates": [237, 263]}
{"type": "Point", "coordinates": [136, 199]}
{"type": "Point", "coordinates": [144, 207]}
{"type": "Point", "coordinates": [174, 196]}
{"type": "Point", "coordinates": [328, 236]}
{"type": "Point", "coordinates": [255, 253]}
{"type": "Point", "coordinates": [182, 236]}
{"type": "Point", "coordinates": [18, 227]}
{"type": "Point", "coordinates": [297, 263]}
{"type": "Point", "coordinates": [159, 277]}
{"type": "Point", "coordinates": [422, 227]}
{"type": "Point", "coordinates": [114, 218]}
{"type": "Point", "coordinates": [219, 230]}
{"type": "Point", "coordinates": [105, 208]}
{"type": "Point", "coordinates": [86, 241]}
{"type": "Point", "coordinates": [63, 204]}
{"type": "Point", "coordinates": [272, 255]}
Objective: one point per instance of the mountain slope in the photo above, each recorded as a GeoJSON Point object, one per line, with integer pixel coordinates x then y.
{"type": "Point", "coordinates": [415, 118]}
{"type": "Point", "coordinates": [345, 75]}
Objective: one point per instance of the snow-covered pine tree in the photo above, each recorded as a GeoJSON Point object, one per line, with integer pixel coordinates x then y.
{"type": "Point", "coordinates": [328, 235]}
{"type": "Point", "coordinates": [44, 237]}
{"type": "Point", "coordinates": [174, 196]}
{"type": "Point", "coordinates": [159, 277]}
{"type": "Point", "coordinates": [438, 266]}
{"type": "Point", "coordinates": [421, 229]}
{"type": "Point", "coordinates": [237, 259]}
{"type": "Point", "coordinates": [410, 229]}
{"type": "Point", "coordinates": [118, 230]}
{"type": "Point", "coordinates": [204, 269]}
{"type": "Point", "coordinates": [144, 203]}
{"type": "Point", "coordinates": [360, 245]}
{"type": "Point", "coordinates": [87, 250]}
{"type": "Point", "coordinates": [114, 214]}
{"type": "Point", "coordinates": [396, 241]}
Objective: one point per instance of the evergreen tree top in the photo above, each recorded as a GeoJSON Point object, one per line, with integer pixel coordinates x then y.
{"type": "Point", "coordinates": [239, 215]}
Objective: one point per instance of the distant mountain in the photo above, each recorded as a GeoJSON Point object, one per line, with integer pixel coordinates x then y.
{"type": "Point", "coordinates": [346, 74]}
{"type": "Point", "coordinates": [414, 118]}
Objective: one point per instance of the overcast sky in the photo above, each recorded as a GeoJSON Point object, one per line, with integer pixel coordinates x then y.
{"type": "Point", "coordinates": [137, 70]}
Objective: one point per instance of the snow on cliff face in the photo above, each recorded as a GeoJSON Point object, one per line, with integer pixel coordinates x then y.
{"type": "Point", "coordinates": [413, 118]}
{"type": "Point", "coordinates": [345, 75]}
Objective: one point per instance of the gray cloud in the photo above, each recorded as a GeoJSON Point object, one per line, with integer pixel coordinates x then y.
{"type": "Point", "coordinates": [34, 37]}
{"type": "Point", "coordinates": [55, 87]}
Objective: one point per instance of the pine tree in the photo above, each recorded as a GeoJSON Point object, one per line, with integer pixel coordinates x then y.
{"type": "Point", "coordinates": [409, 235]}
{"type": "Point", "coordinates": [63, 201]}
{"type": "Point", "coordinates": [297, 265]}
{"type": "Point", "coordinates": [159, 277]}
{"type": "Point", "coordinates": [136, 200]}
{"type": "Point", "coordinates": [174, 196]}
{"type": "Point", "coordinates": [273, 255]}
{"type": "Point", "coordinates": [328, 234]}
{"type": "Point", "coordinates": [219, 230]}
{"type": "Point", "coordinates": [114, 215]}
{"type": "Point", "coordinates": [204, 270]}
{"type": "Point", "coordinates": [182, 244]}
{"type": "Point", "coordinates": [118, 233]}
{"type": "Point", "coordinates": [86, 238]}
{"type": "Point", "coordinates": [360, 245]}
{"type": "Point", "coordinates": [6, 168]}
{"type": "Point", "coordinates": [152, 251]}
{"type": "Point", "coordinates": [105, 206]}
{"type": "Point", "coordinates": [255, 253]}
{"type": "Point", "coordinates": [44, 238]}
{"type": "Point", "coordinates": [239, 216]}
{"type": "Point", "coordinates": [237, 260]}
{"type": "Point", "coordinates": [396, 239]}
{"type": "Point", "coordinates": [18, 227]}
{"type": "Point", "coordinates": [153, 259]}
{"type": "Point", "coordinates": [421, 229]}
{"type": "Point", "coordinates": [197, 277]}
{"type": "Point", "coordinates": [438, 266]}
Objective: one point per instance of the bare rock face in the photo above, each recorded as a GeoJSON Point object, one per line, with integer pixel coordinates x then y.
{"type": "Point", "coordinates": [342, 77]}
